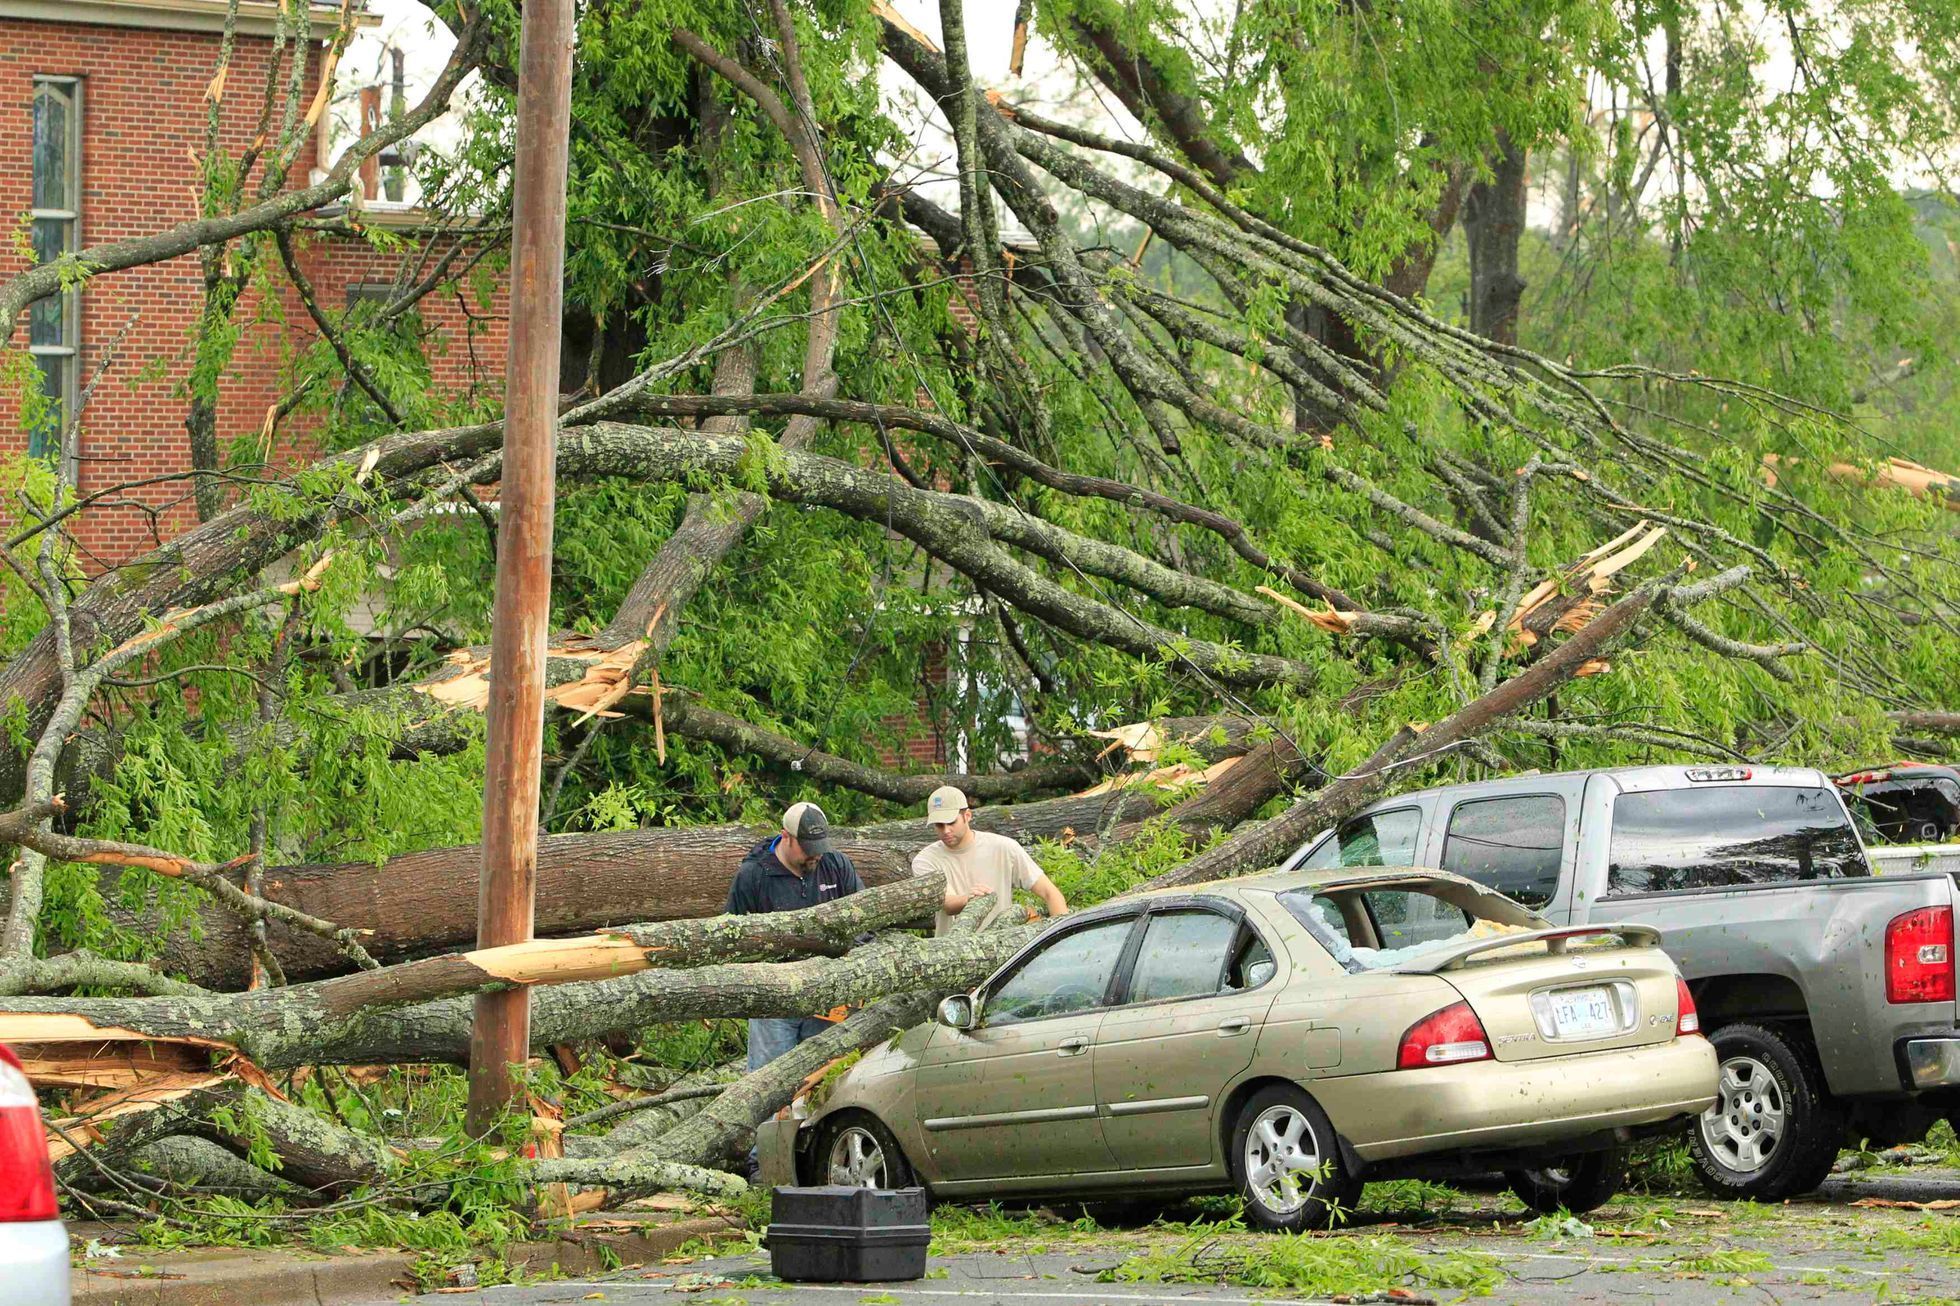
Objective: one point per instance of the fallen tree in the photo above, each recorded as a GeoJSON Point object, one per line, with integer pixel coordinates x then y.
{"type": "Point", "coordinates": [1278, 507]}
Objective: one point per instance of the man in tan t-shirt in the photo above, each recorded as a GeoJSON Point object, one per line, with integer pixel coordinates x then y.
{"type": "Point", "coordinates": [976, 862]}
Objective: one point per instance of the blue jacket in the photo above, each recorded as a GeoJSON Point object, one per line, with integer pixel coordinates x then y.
{"type": "Point", "coordinates": [764, 884]}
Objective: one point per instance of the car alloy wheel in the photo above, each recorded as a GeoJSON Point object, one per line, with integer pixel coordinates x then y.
{"type": "Point", "coordinates": [1282, 1159]}
{"type": "Point", "coordinates": [1747, 1123]}
{"type": "Point", "coordinates": [857, 1159]}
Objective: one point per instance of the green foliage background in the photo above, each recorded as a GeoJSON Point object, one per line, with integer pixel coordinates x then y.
{"type": "Point", "coordinates": [1787, 256]}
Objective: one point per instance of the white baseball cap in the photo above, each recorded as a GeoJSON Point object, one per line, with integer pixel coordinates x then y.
{"type": "Point", "coordinates": [945, 805]}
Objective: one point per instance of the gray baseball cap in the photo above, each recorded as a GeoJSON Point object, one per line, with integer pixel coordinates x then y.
{"type": "Point", "coordinates": [806, 823]}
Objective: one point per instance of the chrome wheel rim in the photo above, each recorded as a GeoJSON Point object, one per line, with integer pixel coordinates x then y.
{"type": "Point", "coordinates": [1282, 1159]}
{"type": "Point", "coordinates": [1746, 1125]}
{"type": "Point", "coordinates": [856, 1159]}
{"type": "Point", "coordinates": [1553, 1177]}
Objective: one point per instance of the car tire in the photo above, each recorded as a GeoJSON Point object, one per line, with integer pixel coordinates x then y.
{"type": "Point", "coordinates": [1286, 1163]}
{"type": "Point", "coordinates": [856, 1150]}
{"type": "Point", "coordinates": [1774, 1130]}
{"type": "Point", "coordinates": [1577, 1185]}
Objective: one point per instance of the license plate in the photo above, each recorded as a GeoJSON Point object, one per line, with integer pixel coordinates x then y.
{"type": "Point", "coordinates": [1584, 1013]}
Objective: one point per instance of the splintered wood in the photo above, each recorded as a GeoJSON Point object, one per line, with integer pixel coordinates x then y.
{"type": "Point", "coordinates": [110, 1079]}
{"type": "Point", "coordinates": [1565, 602]}
{"type": "Point", "coordinates": [1568, 601]}
{"type": "Point", "coordinates": [1915, 479]}
{"type": "Point", "coordinates": [598, 692]}
{"type": "Point", "coordinates": [1333, 621]}
{"type": "Point", "coordinates": [1178, 773]}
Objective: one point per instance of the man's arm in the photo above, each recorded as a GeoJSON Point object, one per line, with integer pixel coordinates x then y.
{"type": "Point", "coordinates": [848, 879]}
{"type": "Point", "coordinates": [1051, 897]}
{"type": "Point", "coordinates": [1029, 875]}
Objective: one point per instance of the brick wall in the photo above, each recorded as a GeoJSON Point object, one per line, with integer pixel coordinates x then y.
{"type": "Point", "coordinates": [144, 114]}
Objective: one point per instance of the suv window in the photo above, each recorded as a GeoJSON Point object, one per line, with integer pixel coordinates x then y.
{"type": "Point", "coordinates": [1377, 839]}
{"type": "Point", "coordinates": [1739, 834]}
{"type": "Point", "coordinates": [1512, 845]}
{"type": "Point", "coordinates": [1183, 955]}
{"type": "Point", "coordinates": [1068, 975]}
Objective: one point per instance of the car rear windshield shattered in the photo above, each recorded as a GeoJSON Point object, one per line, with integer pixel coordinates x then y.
{"type": "Point", "coordinates": [1380, 929]}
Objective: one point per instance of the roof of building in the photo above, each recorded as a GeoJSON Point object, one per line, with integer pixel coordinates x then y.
{"type": "Point", "coordinates": [255, 17]}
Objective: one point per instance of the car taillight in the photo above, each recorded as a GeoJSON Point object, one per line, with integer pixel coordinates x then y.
{"type": "Point", "coordinates": [1448, 1036]}
{"type": "Point", "coordinates": [26, 1182]}
{"type": "Point", "coordinates": [1687, 1020]}
{"type": "Point", "coordinates": [1919, 956]}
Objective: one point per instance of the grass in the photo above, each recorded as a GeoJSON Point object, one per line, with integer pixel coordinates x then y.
{"type": "Point", "coordinates": [1315, 1264]}
{"type": "Point", "coordinates": [1937, 1234]}
{"type": "Point", "coordinates": [1403, 1196]}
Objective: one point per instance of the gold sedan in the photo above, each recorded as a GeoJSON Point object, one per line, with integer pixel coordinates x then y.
{"type": "Point", "coordinates": [1289, 1036]}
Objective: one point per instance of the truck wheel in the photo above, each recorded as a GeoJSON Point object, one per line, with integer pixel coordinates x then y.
{"type": "Point", "coordinates": [1580, 1184]}
{"type": "Point", "coordinates": [1774, 1129]}
{"type": "Point", "coordinates": [1286, 1164]}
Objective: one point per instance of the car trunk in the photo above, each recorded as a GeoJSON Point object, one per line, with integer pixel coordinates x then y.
{"type": "Point", "coordinates": [1561, 992]}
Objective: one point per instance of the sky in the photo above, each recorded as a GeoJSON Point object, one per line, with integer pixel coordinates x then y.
{"type": "Point", "coordinates": [1047, 83]}
{"type": "Point", "coordinates": [426, 44]}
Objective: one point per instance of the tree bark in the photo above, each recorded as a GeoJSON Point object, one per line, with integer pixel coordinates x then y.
{"type": "Point", "coordinates": [1493, 223]}
{"type": "Point", "coordinates": [309, 1025]}
{"type": "Point", "coordinates": [420, 903]}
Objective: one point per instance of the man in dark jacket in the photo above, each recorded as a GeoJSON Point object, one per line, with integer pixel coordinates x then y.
{"type": "Point", "coordinates": [795, 869]}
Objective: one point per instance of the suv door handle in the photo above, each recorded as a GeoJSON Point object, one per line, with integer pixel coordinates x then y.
{"type": "Point", "coordinates": [1233, 1025]}
{"type": "Point", "coordinates": [1070, 1047]}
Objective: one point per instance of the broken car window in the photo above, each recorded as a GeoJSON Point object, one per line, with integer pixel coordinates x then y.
{"type": "Point", "coordinates": [1409, 924]}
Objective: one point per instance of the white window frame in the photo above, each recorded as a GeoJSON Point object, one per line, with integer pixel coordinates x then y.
{"type": "Point", "coordinates": [70, 348]}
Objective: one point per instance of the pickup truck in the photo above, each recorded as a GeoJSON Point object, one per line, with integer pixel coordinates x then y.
{"type": "Point", "coordinates": [1828, 992]}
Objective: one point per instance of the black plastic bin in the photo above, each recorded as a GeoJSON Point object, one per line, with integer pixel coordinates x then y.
{"type": "Point", "coordinates": [848, 1235]}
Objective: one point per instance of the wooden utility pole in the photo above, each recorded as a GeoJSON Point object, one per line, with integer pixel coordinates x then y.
{"type": "Point", "coordinates": [501, 1034]}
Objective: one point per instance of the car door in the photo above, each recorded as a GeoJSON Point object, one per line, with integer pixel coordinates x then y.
{"type": "Point", "coordinates": [1015, 1096]}
{"type": "Point", "coordinates": [1188, 1018]}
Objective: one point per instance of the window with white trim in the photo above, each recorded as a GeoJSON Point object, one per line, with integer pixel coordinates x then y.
{"type": "Point", "coordinates": [54, 323]}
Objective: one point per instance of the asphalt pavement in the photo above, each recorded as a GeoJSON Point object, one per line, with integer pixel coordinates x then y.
{"type": "Point", "coordinates": [1845, 1245]}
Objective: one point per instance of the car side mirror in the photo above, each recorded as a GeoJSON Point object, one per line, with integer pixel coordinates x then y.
{"type": "Point", "coordinates": [957, 1011]}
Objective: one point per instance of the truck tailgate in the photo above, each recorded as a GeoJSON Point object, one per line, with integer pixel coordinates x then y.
{"type": "Point", "coordinates": [1823, 942]}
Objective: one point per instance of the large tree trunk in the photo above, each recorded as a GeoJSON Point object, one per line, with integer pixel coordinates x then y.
{"type": "Point", "coordinates": [1493, 223]}
{"type": "Point", "coordinates": [422, 903]}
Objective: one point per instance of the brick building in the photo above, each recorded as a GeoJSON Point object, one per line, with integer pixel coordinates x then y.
{"type": "Point", "coordinates": [103, 116]}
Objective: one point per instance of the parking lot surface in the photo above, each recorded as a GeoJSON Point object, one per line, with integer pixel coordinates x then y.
{"type": "Point", "coordinates": [1869, 1236]}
